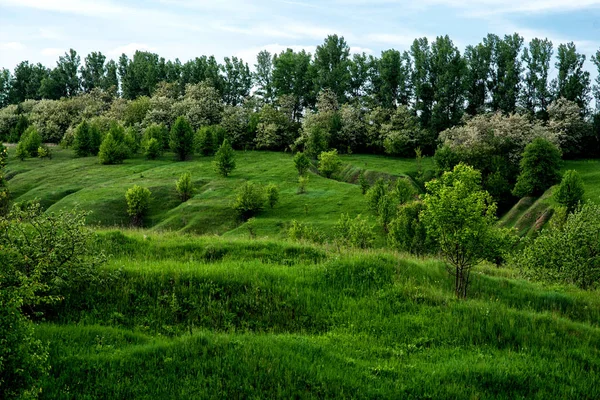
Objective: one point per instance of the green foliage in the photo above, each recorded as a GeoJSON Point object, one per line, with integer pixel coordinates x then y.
{"type": "Point", "coordinates": [569, 253]}
{"type": "Point", "coordinates": [225, 159]}
{"type": "Point", "coordinates": [540, 168]}
{"type": "Point", "coordinates": [185, 187]}
{"type": "Point", "coordinates": [44, 152]}
{"type": "Point", "coordinates": [386, 210]}
{"type": "Point", "coordinates": [206, 140]}
{"type": "Point", "coordinates": [354, 232]}
{"type": "Point", "coordinates": [374, 195]}
{"type": "Point", "coordinates": [132, 140]}
{"type": "Point", "coordinates": [29, 144]}
{"type": "Point", "coordinates": [4, 193]}
{"type": "Point", "coordinates": [363, 182]}
{"type": "Point", "coordinates": [404, 191]}
{"type": "Point", "coordinates": [158, 132]}
{"type": "Point", "coordinates": [302, 163]}
{"type": "Point", "coordinates": [445, 159]}
{"type": "Point", "coordinates": [460, 216]}
{"type": "Point", "coordinates": [138, 202]}
{"type": "Point", "coordinates": [182, 138]}
{"type": "Point", "coordinates": [112, 151]}
{"type": "Point", "coordinates": [302, 184]}
{"type": "Point", "coordinates": [152, 149]}
{"type": "Point", "coordinates": [407, 231]}
{"type": "Point", "coordinates": [249, 200]}
{"type": "Point", "coordinates": [329, 163]}
{"type": "Point", "coordinates": [87, 139]}
{"type": "Point", "coordinates": [302, 231]}
{"type": "Point", "coordinates": [272, 193]}
{"type": "Point", "coordinates": [570, 192]}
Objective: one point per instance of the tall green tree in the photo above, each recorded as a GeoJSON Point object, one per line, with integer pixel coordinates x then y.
{"type": "Point", "coordinates": [263, 77]}
{"type": "Point", "coordinates": [391, 79]}
{"type": "Point", "coordinates": [202, 69]}
{"type": "Point", "coordinates": [5, 85]}
{"type": "Point", "coordinates": [447, 71]}
{"type": "Point", "coordinates": [182, 138]}
{"type": "Point", "coordinates": [293, 76]}
{"type": "Point", "coordinates": [421, 80]}
{"type": "Point", "coordinates": [360, 70]}
{"type": "Point", "coordinates": [237, 81]}
{"type": "Point", "coordinates": [93, 71]}
{"type": "Point", "coordinates": [505, 72]}
{"type": "Point", "coordinates": [27, 81]}
{"type": "Point", "coordinates": [332, 66]}
{"type": "Point", "coordinates": [536, 95]}
{"type": "Point", "coordinates": [572, 82]}
{"type": "Point", "coordinates": [477, 59]}
{"type": "Point", "coordinates": [140, 75]}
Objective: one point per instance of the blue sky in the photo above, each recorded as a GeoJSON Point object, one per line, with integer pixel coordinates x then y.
{"type": "Point", "coordinates": [41, 30]}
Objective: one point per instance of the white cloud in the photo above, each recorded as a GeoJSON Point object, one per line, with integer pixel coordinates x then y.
{"type": "Point", "coordinates": [400, 40]}
{"type": "Point", "coordinates": [360, 50]}
{"type": "Point", "coordinates": [478, 8]}
{"type": "Point", "coordinates": [52, 52]}
{"type": "Point", "coordinates": [83, 7]}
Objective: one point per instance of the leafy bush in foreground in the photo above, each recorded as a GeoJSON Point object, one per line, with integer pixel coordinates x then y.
{"type": "Point", "coordinates": [249, 200]}
{"type": "Point", "coordinates": [138, 201]}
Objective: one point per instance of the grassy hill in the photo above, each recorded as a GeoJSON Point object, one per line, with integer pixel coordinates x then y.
{"type": "Point", "coordinates": [205, 317]}
{"type": "Point", "coordinates": [65, 182]}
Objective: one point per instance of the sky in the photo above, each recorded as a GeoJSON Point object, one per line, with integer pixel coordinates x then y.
{"type": "Point", "coordinates": [42, 30]}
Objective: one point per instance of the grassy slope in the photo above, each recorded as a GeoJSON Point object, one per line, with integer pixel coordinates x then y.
{"type": "Point", "coordinates": [64, 182]}
{"type": "Point", "coordinates": [190, 317]}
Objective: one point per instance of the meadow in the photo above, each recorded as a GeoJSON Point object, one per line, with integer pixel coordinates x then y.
{"type": "Point", "coordinates": [189, 306]}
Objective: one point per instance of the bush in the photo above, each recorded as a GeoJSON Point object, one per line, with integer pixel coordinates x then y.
{"type": "Point", "coordinates": [138, 201]}
{"type": "Point", "coordinates": [225, 159]}
{"type": "Point", "coordinates": [153, 149]}
{"type": "Point", "coordinates": [29, 144]}
{"type": "Point", "coordinates": [158, 132]}
{"type": "Point", "coordinates": [404, 191]}
{"type": "Point", "coordinates": [4, 194]}
{"type": "Point", "coordinates": [249, 200]}
{"type": "Point", "coordinates": [407, 232]}
{"type": "Point", "coordinates": [375, 194]}
{"type": "Point", "coordinates": [302, 163]}
{"type": "Point", "coordinates": [354, 232]}
{"type": "Point", "coordinates": [111, 151]}
{"type": "Point", "coordinates": [363, 182]}
{"type": "Point", "coordinates": [87, 139]}
{"type": "Point", "coordinates": [44, 152]}
{"type": "Point", "coordinates": [570, 191]}
{"type": "Point", "coordinates": [185, 187]}
{"type": "Point", "coordinates": [540, 168]}
{"type": "Point", "coordinates": [207, 139]}
{"type": "Point", "coordinates": [570, 254]}
{"type": "Point", "coordinates": [300, 231]}
{"type": "Point", "coordinates": [132, 140]}
{"type": "Point", "coordinates": [329, 163]}
{"type": "Point", "coordinates": [272, 191]}
{"type": "Point", "coordinates": [182, 138]}
{"type": "Point", "coordinates": [302, 184]}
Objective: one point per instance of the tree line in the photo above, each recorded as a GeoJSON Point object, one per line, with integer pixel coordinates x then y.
{"type": "Point", "coordinates": [432, 78]}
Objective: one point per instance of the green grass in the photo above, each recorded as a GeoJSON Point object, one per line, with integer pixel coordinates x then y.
{"type": "Point", "coordinates": [206, 317]}
{"type": "Point", "coordinates": [66, 182]}
{"type": "Point", "coordinates": [590, 173]}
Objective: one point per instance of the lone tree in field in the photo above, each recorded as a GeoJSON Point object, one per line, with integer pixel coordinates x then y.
{"type": "Point", "coordinates": [302, 163]}
{"type": "Point", "coordinates": [329, 163]}
{"type": "Point", "coordinates": [138, 201]}
{"type": "Point", "coordinates": [225, 159]}
{"type": "Point", "coordinates": [570, 191]}
{"type": "Point", "coordinates": [185, 187]}
{"type": "Point", "coordinates": [540, 168]}
{"type": "Point", "coordinates": [182, 138]}
{"type": "Point", "coordinates": [460, 216]}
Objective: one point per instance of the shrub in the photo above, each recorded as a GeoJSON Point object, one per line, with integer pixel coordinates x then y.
{"type": "Point", "coordinates": [29, 143]}
{"type": "Point", "coordinates": [354, 232]}
{"type": "Point", "coordinates": [363, 182]}
{"type": "Point", "coordinates": [44, 152]}
{"type": "Point", "coordinates": [407, 231]}
{"type": "Point", "coordinates": [152, 149]}
{"type": "Point", "coordinates": [329, 163]}
{"type": "Point", "coordinates": [182, 138]}
{"type": "Point", "coordinates": [272, 192]}
{"type": "Point", "coordinates": [375, 194]}
{"type": "Point", "coordinates": [249, 200]}
{"type": "Point", "coordinates": [138, 201]}
{"type": "Point", "coordinates": [570, 254]}
{"type": "Point", "coordinates": [111, 151]}
{"type": "Point", "coordinates": [4, 193]}
{"type": "Point", "coordinates": [21, 151]}
{"type": "Point", "coordinates": [302, 184]}
{"type": "Point", "coordinates": [225, 159]}
{"type": "Point", "coordinates": [540, 168]}
{"type": "Point", "coordinates": [570, 191]}
{"type": "Point", "coordinates": [185, 187]}
{"type": "Point", "coordinates": [87, 139]}
{"type": "Point", "coordinates": [131, 140]}
{"type": "Point", "coordinates": [404, 191]}
{"type": "Point", "coordinates": [300, 231]}
{"type": "Point", "coordinates": [158, 132]}
{"type": "Point", "coordinates": [302, 163]}
{"type": "Point", "coordinates": [207, 139]}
